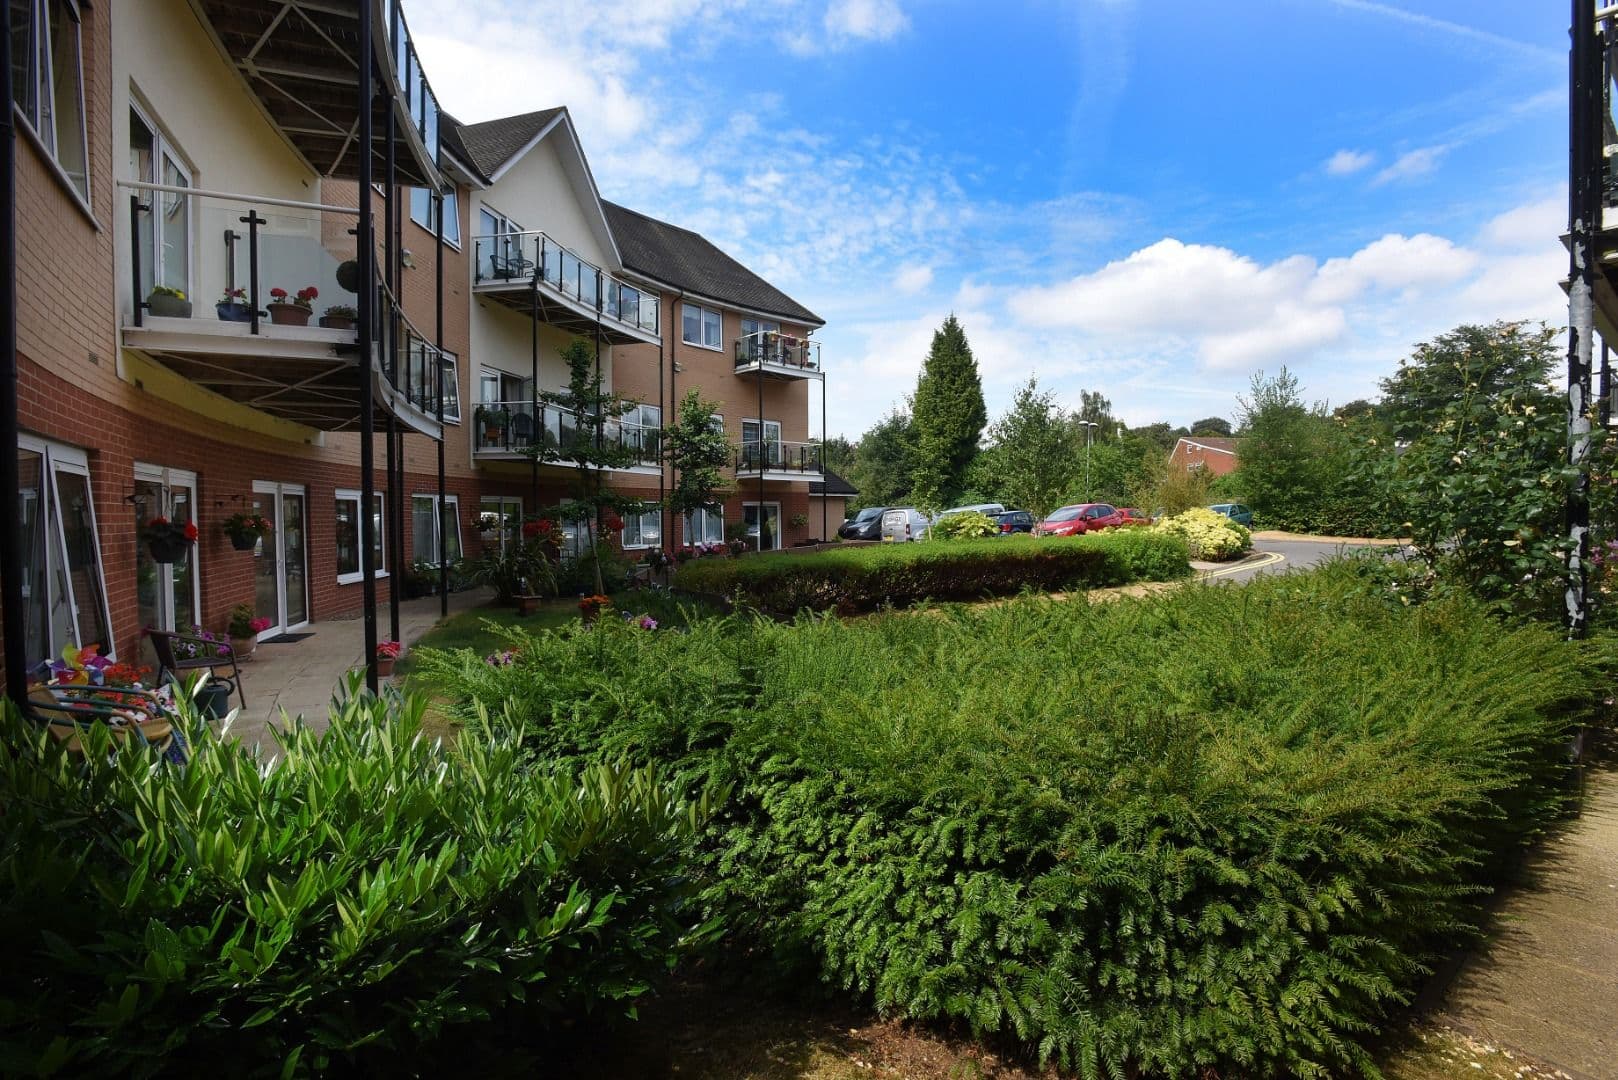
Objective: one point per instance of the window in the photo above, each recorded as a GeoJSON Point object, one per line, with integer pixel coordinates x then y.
{"type": "Point", "coordinates": [643, 530]}
{"type": "Point", "coordinates": [500, 247]}
{"type": "Point", "coordinates": [168, 595]}
{"type": "Point", "coordinates": [435, 538]}
{"type": "Point", "coordinates": [499, 521]}
{"type": "Point", "coordinates": [772, 525]}
{"type": "Point", "coordinates": [48, 79]}
{"type": "Point", "coordinates": [705, 526]}
{"type": "Point", "coordinates": [421, 212]}
{"type": "Point", "coordinates": [64, 589]}
{"type": "Point", "coordinates": [701, 326]}
{"type": "Point", "coordinates": [348, 537]}
{"type": "Point", "coordinates": [164, 237]}
{"type": "Point", "coordinates": [761, 340]}
{"type": "Point", "coordinates": [769, 453]}
{"type": "Point", "coordinates": [452, 388]}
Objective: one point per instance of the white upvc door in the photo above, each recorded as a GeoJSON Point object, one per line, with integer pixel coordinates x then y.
{"type": "Point", "coordinates": [772, 525]}
{"type": "Point", "coordinates": [168, 594]}
{"type": "Point", "coordinates": [281, 560]}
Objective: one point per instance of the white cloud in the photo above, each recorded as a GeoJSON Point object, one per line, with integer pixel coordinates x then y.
{"type": "Point", "coordinates": [1393, 262]}
{"type": "Point", "coordinates": [1412, 165]}
{"type": "Point", "coordinates": [1532, 225]}
{"type": "Point", "coordinates": [913, 278]}
{"type": "Point", "coordinates": [865, 20]}
{"type": "Point", "coordinates": [1346, 162]}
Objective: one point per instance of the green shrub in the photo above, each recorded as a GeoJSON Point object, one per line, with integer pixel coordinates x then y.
{"type": "Point", "coordinates": [866, 578]}
{"type": "Point", "coordinates": [1207, 534]}
{"type": "Point", "coordinates": [967, 525]}
{"type": "Point", "coordinates": [1217, 832]}
{"type": "Point", "coordinates": [334, 911]}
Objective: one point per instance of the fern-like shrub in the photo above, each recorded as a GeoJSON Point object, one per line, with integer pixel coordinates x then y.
{"type": "Point", "coordinates": [338, 910]}
{"type": "Point", "coordinates": [1220, 831]}
{"type": "Point", "coordinates": [858, 579]}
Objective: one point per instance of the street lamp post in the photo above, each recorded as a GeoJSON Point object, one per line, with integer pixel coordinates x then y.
{"type": "Point", "coordinates": [1089, 437]}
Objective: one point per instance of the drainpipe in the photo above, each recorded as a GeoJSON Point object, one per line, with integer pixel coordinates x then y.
{"type": "Point", "coordinates": [13, 618]}
{"type": "Point", "coordinates": [367, 300]}
{"type": "Point", "coordinates": [674, 370]}
{"type": "Point", "coordinates": [438, 342]}
{"type": "Point", "coordinates": [759, 375]}
{"type": "Point", "coordinates": [825, 437]}
{"type": "Point", "coordinates": [395, 464]}
{"type": "Point", "coordinates": [533, 382]}
{"type": "Point", "coordinates": [1584, 210]}
{"type": "Point", "coordinates": [665, 408]}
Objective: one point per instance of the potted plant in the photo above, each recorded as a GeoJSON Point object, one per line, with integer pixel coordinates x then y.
{"type": "Point", "coordinates": [494, 420]}
{"type": "Point", "coordinates": [798, 521]}
{"type": "Point", "coordinates": [339, 317]}
{"type": "Point", "coordinates": [591, 607]}
{"type": "Point", "coordinates": [386, 653]}
{"type": "Point", "coordinates": [244, 630]}
{"type": "Point", "coordinates": [233, 306]}
{"type": "Point", "coordinates": [168, 540]}
{"type": "Point", "coordinates": [293, 311]}
{"type": "Point", "coordinates": [245, 530]}
{"type": "Point", "coordinates": [168, 303]}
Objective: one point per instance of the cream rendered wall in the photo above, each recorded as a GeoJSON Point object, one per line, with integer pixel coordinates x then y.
{"type": "Point", "coordinates": [537, 194]}
{"type": "Point", "coordinates": [502, 340]}
{"type": "Point", "coordinates": [165, 63]}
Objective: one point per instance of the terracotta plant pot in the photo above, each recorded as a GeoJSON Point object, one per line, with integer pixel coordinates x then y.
{"type": "Point", "coordinates": [384, 668]}
{"type": "Point", "coordinates": [243, 647]}
{"type": "Point", "coordinates": [234, 312]}
{"type": "Point", "coordinates": [336, 322]}
{"type": "Point", "coordinates": [289, 315]}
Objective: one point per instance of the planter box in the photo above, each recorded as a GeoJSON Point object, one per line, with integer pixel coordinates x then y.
{"type": "Point", "coordinates": [336, 322]}
{"type": "Point", "coordinates": [168, 307]}
{"type": "Point", "coordinates": [234, 312]}
{"type": "Point", "coordinates": [289, 315]}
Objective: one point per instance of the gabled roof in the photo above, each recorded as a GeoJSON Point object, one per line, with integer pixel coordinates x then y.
{"type": "Point", "coordinates": [691, 262]}
{"type": "Point", "coordinates": [834, 486]}
{"type": "Point", "coordinates": [449, 134]}
{"type": "Point", "coordinates": [493, 144]}
{"type": "Point", "coordinates": [1214, 443]}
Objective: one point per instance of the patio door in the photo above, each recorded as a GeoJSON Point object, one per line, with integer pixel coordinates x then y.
{"type": "Point", "coordinates": [168, 594]}
{"type": "Point", "coordinates": [767, 452]}
{"type": "Point", "coordinates": [281, 560]}
{"type": "Point", "coordinates": [772, 525]}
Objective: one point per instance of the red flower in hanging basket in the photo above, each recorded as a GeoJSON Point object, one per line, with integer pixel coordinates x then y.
{"type": "Point", "coordinates": [191, 531]}
{"type": "Point", "coordinates": [157, 522]}
{"type": "Point", "coordinates": [387, 650]}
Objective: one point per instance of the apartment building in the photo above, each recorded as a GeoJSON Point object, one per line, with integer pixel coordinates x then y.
{"type": "Point", "coordinates": [174, 156]}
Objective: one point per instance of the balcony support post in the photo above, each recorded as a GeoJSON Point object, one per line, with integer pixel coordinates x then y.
{"type": "Point", "coordinates": [137, 304]}
{"type": "Point", "coordinates": [395, 456]}
{"type": "Point", "coordinates": [438, 342]}
{"type": "Point", "coordinates": [533, 379]}
{"type": "Point", "coordinates": [253, 221]}
{"type": "Point", "coordinates": [758, 377]}
{"type": "Point", "coordinates": [365, 250]}
{"type": "Point", "coordinates": [1586, 83]}
{"type": "Point", "coordinates": [825, 439]}
{"type": "Point", "coordinates": [13, 617]}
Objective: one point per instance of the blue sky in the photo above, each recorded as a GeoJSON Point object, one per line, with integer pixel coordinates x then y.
{"type": "Point", "coordinates": [1151, 201]}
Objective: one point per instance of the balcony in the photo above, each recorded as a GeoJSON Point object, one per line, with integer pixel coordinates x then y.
{"type": "Point", "coordinates": [293, 363]}
{"type": "Point", "coordinates": [507, 430]}
{"type": "Point", "coordinates": [773, 459]}
{"type": "Point", "coordinates": [529, 270]}
{"type": "Point", "coordinates": [300, 61]}
{"type": "Point", "coordinates": [775, 355]}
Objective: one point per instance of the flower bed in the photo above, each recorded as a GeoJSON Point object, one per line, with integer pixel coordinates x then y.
{"type": "Point", "coordinates": [866, 578]}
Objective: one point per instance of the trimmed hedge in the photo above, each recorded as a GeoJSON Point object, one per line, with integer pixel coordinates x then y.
{"type": "Point", "coordinates": [1216, 832]}
{"type": "Point", "coordinates": [858, 579]}
{"type": "Point", "coordinates": [339, 912]}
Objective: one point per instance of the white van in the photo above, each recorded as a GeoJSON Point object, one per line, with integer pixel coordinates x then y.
{"type": "Point", "coordinates": [904, 523]}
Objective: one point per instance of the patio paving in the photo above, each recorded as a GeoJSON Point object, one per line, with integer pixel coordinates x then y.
{"type": "Point", "coordinates": [299, 677]}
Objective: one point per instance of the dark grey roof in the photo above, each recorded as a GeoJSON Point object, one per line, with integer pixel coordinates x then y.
{"type": "Point", "coordinates": [449, 130]}
{"type": "Point", "coordinates": [690, 261]}
{"type": "Point", "coordinates": [836, 484]}
{"type": "Point", "coordinates": [492, 143]}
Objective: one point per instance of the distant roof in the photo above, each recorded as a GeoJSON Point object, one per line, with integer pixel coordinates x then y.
{"type": "Point", "coordinates": [836, 485]}
{"type": "Point", "coordinates": [491, 144]}
{"type": "Point", "coordinates": [690, 261]}
{"type": "Point", "coordinates": [1211, 442]}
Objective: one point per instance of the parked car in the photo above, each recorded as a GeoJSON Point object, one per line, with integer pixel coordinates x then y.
{"type": "Point", "coordinates": [1133, 516]}
{"type": "Point", "coordinates": [986, 509]}
{"type": "Point", "coordinates": [865, 525]}
{"type": "Point", "coordinates": [1080, 518]}
{"type": "Point", "coordinates": [904, 523]}
{"type": "Point", "coordinates": [1236, 512]}
{"type": "Point", "coordinates": [1014, 521]}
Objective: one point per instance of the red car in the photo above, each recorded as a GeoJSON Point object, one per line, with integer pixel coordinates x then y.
{"type": "Point", "coordinates": [1133, 516]}
{"type": "Point", "coordinates": [1080, 518]}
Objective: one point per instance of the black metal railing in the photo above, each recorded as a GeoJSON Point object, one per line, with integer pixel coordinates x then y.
{"type": "Point", "coordinates": [771, 348]}
{"type": "Point", "coordinates": [505, 427]}
{"type": "Point", "coordinates": [516, 257]}
{"type": "Point", "coordinates": [774, 455]}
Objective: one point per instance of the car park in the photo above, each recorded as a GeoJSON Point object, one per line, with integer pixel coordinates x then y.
{"type": "Point", "coordinates": [986, 509]}
{"type": "Point", "coordinates": [1237, 512]}
{"type": "Point", "coordinates": [1134, 516]}
{"type": "Point", "coordinates": [1080, 518]}
{"type": "Point", "coordinates": [1014, 521]}
{"type": "Point", "coordinates": [904, 523]}
{"type": "Point", "coordinates": [865, 525]}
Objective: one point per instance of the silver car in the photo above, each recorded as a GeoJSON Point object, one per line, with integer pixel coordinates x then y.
{"type": "Point", "coordinates": [904, 523]}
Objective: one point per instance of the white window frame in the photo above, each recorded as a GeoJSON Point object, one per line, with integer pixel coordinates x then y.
{"type": "Point", "coordinates": [702, 322]}
{"type": "Point", "coordinates": [352, 495]}
{"type": "Point", "coordinates": [452, 216]}
{"type": "Point", "coordinates": [176, 478]}
{"type": "Point", "coordinates": [780, 540]}
{"type": "Point", "coordinates": [165, 152]}
{"type": "Point", "coordinates": [39, 114]}
{"type": "Point", "coordinates": [59, 458]}
{"type": "Point", "coordinates": [452, 378]}
{"type": "Point", "coordinates": [450, 500]}
{"type": "Point", "coordinates": [509, 507]}
{"type": "Point", "coordinates": [639, 521]}
{"type": "Point", "coordinates": [712, 515]}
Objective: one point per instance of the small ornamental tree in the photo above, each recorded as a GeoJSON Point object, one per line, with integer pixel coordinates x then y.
{"type": "Point", "coordinates": [696, 449]}
{"type": "Point", "coordinates": [949, 414]}
{"type": "Point", "coordinates": [1032, 459]}
{"type": "Point", "coordinates": [593, 446]}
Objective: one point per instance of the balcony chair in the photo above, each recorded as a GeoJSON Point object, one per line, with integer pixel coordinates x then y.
{"type": "Point", "coordinates": [510, 266]}
{"type": "Point", "coordinates": [222, 667]}
{"type": "Point", "coordinates": [521, 430]}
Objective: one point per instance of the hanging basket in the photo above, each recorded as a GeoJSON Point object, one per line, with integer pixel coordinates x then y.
{"type": "Point", "coordinates": [168, 551]}
{"type": "Point", "coordinates": [244, 541]}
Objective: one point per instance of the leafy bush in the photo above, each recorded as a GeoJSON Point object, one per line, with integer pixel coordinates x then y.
{"type": "Point", "coordinates": [1207, 535]}
{"type": "Point", "coordinates": [967, 525]}
{"type": "Point", "coordinates": [521, 568]}
{"type": "Point", "coordinates": [338, 909]}
{"type": "Point", "coordinates": [1217, 832]}
{"type": "Point", "coordinates": [866, 578]}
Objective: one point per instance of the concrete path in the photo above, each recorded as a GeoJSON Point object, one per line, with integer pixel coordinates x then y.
{"type": "Point", "coordinates": [1546, 981]}
{"type": "Point", "coordinates": [300, 677]}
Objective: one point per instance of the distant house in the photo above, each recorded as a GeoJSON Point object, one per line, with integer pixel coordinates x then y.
{"type": "Point", "coordinates": [1216, 455]}
{"type": "Point", "coordinates": [834, 493]}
